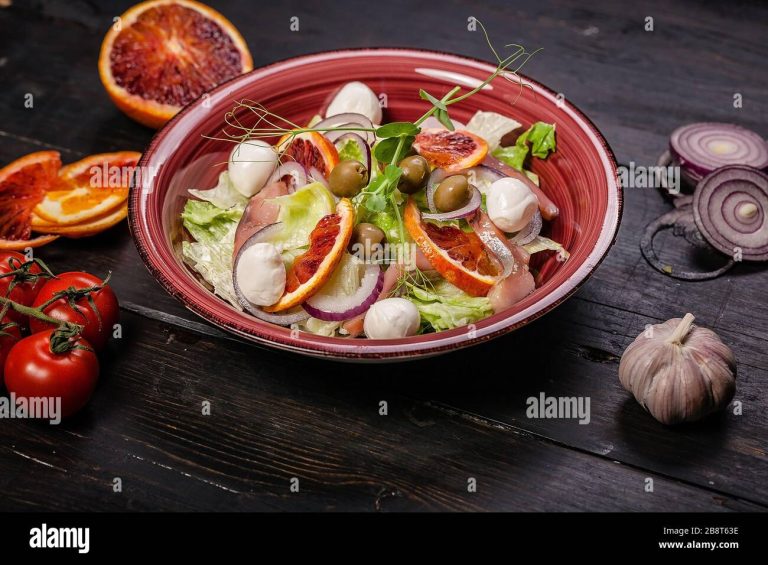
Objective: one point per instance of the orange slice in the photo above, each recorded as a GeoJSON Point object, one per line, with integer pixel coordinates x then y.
{"type": "Point", "coordinates": [310, 149]}
{"type": "Point", "coordinates": [22, 244]}
{"type": "Point", "coordinates": [23, 184]}
{"type": "Point", "coordinates": [460, 257]}
{"type": "Point", "coordinates": [86, 229]}
{"type": "Point", "coordinates": [161, 55]}
{"type": "Point", "coordinates": [451, 150]}
{"type": "Point", "coordinates": [311, 270]}
{"type": "Point", "coordinates": [102, 170]}
{"type": "Point", "coordinates": [88, 189]}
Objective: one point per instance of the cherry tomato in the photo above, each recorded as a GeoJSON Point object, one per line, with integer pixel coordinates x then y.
{"type": "Point", "coordinates": [24, 291]}
{"type": "Point", "coordinates": [97, 327]}
{"type": "Point", "coordinates": [11, 333]}
{"type": "Point", "coordinates": [32, 369]}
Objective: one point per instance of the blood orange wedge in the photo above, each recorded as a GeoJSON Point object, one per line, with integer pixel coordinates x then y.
{"type": "Point", "coordinates": [460, 257]}
{"type": "Point", "coordinates": [86, 229]}
{"type": "Point", "coordinates": [88, 189]}
{"type": "Point", "coordinates": [450, 150]}
{"type": "Point", "coordinates": [310, 149]}
{"type": "Point", "coordinates": [311, 270]}
{"type": "Point", "coordinates": [162, 54]}
{"type": "Point", "coordinates": [23, 184]}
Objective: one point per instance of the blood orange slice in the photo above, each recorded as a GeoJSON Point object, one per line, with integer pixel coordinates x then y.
{"type": "Point", "coordinates": [85, 229]}
{"type": "Point", "coordinates": [450, 150]}
{"type": "Point", "coordinates": [88, 189]}
{"type": "Point", "coordinates": [160, 55]}
{"type": "Point", "coordinates": [23, 184]}
{"type": "Point", "coordinates": [460, 257]}
{"type": "Point", "coordinates": [311, 270]}
{"type": "Point", "coordinates": [310, 149]}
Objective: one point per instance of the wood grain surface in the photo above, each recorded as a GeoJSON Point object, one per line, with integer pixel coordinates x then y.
{"type": "Point", "coordinates": [275, 417]}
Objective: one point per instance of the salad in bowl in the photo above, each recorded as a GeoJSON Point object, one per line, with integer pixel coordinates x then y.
{"type": "Point", "coordinates": [355, 226]}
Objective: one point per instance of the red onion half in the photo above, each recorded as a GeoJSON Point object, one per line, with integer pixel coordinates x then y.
{"type": "Point", "coordinates": [334, 308]}
{"type": "Point", "coordinates": [701, 148]}
{"type": "Point", "coordinates": [292, 173]}
{"type": "Point", "coordinates": [348, 120]}
{"type": "Point", "coordinates": [730, 207]}
{"type": "Point", "coordinates": [465, 211]}
{"type": "Point", "coordinates": [287, 318]}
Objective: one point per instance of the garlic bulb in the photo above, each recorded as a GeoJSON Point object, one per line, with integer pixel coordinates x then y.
{"type": "Point", "coordinates": [679, 372]}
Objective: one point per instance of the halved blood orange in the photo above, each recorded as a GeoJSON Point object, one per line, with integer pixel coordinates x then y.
{"type": "Point", "coordinates": [88, 189]}
{"type": "Point", "coordinates": [85, 229]}
{"type": "Point", "coordinates": [23, 184]}
{"type": "Point", "coordinates": [162, 54]}
{"type": "Point", "coordinates": [459, 256]}
{"type": "Point", "coordinates": [450, 150]}
{"type": "Point", "coordinates": [310, 149]}
{"type": "Point", "coordinates": [311, 270]}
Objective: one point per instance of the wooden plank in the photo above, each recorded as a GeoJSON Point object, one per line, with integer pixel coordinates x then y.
{"type": "Point", "coordinates": [273, 419]}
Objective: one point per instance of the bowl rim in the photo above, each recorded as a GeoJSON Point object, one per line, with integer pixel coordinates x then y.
{"type": "Point", "coordinates": [407, 348]}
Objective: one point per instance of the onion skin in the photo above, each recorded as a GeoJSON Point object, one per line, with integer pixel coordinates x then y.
{"type": "Point", "coordinates": [549, 211]}
{"type": "Point", "coordinates": [679, 372]}
{"type": "Point", "coordinates": [355, 326]}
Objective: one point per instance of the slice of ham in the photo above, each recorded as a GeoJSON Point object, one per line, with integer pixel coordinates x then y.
{"type": "Point", "coordinates": [354, 326]}
{"type": "Point", "coordinates": [259, 212]}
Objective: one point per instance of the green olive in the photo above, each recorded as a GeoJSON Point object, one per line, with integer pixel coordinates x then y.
{"type": "Point", "coordinates": [368, 236]}
{"type": "Point", "coordinates": [415, 174]}
{"type": "Point", "coordinates": [453, 193]}
{"type": "Point", "coordinates": [348, 178]}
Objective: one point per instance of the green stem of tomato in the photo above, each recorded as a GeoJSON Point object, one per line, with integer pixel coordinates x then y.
{"type": "Point", "coordinates": [35, 313]}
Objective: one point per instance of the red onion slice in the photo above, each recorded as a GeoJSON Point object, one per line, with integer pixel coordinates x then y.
{"type": "Point", "coordinates": [703, 147]}
{"type": "Point", "coordinates": [334, 308]}
{"type": "Point", "coordinates": [287, 318]}
{"type": "Point", "coordinates": [347, 120]}
{"type": "Point", "coordinates": [465, 211]}
{"type": "Point", "coordinates": [529, 232]}
{"type": "Point", "coordinates": [292, 173]}
{"type": "Point", "coordinates": [362, 146]}
{"type": "Point", "coordinates": [730, 207]}
{"type": "Point", "coordinates": [315, 175]}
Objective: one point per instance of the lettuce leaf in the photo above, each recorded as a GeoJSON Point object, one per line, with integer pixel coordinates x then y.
{"type": "Point", "coordinates": [223, 195]}
{"type": "Point", "coordinates": [541, 243]}
{"type": "Point", "coordinates": [539, 140]}
{"type": "Point", "coordinates": [444, 307]}
{"type": "Point", "coordinates": [210, 254]}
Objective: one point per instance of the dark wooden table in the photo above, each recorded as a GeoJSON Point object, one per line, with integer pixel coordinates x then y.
{"type": "Point", "coordinates": [276, 417]}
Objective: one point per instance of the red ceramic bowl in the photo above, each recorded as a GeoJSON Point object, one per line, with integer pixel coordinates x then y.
{"type": "Point", "coordinates": [580, 177]}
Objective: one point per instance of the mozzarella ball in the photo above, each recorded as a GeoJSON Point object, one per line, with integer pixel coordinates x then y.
{"type": "Point", "coordinates": [251, 163]}
{"type": "Point", "coordinates": [391, 318]}
{"type": "Point", "coordinates": [511, 204]}
{"type": "Point", "coordinates": [260, 274]}
{"type": "Point", "coordinates": [357, 98]}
